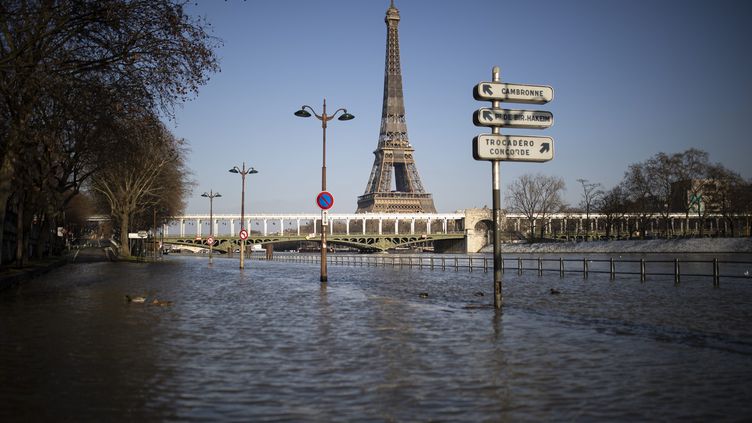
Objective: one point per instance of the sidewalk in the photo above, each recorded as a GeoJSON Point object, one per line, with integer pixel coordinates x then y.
{"type": "Point", "coordinates": [10, 275]}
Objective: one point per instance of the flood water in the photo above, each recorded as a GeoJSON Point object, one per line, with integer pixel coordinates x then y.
{"type": "Point", "coordinates": [269, 344]}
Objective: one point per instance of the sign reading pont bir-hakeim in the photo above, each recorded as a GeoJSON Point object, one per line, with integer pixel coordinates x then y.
{"type": "Point", "coordinates": [394, 154]}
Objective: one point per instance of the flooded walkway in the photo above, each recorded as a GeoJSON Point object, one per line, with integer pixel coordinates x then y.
{"type": "Point", "coordinates": [378, 344]}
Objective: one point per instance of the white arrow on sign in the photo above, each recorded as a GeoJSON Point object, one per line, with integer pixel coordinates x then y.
{"type": "Point", "coordinates": [513, 148]}
{"type": "Point", "coordinates": [514, 93]}
{"type": "Point", "coordinates": [532, 119]}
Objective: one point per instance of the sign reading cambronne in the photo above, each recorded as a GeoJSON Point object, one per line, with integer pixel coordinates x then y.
{"type": "Point", "coordinates": [515, 93]}
{"type": "Point", "coordinates": [516, 148]}
{"type": "Point", "coordinates": [508, 118]}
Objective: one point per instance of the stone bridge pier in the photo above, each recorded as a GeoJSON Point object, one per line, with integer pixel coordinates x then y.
{"type": "Point", "coordinates": [478, 229]}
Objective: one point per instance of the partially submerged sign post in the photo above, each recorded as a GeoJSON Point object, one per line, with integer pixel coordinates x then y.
{"type": "Point", "coordinates": [497, 148]}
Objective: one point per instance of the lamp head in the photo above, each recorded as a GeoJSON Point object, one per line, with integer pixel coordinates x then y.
{"type": "Point", "coordinates": [216, 194]}
{"type": "Point", "coordinates": [252, 171]}
{"type": "Point", "coordinates": [302, 113]}
{"type": "Point", "coordinates": [346, 116]}
{"type": "Point", "coordinates": [204, 195]}
{"type": "Point", "coordinates": [234, 170]}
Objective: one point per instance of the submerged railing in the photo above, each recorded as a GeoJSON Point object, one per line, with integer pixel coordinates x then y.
{"type": "Point", "coordinates": [613, 267]}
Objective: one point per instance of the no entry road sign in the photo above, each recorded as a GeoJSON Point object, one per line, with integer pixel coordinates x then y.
{"type": "Point", "coordinates": [325, 200]}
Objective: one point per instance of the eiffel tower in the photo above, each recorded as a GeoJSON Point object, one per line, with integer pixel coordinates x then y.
{"type": "Point", "coordinates": [394, 153]}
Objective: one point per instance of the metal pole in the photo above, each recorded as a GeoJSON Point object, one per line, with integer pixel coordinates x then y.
{"type": "Point", "coordinates": [324, 223]}
{"type": "Point", "coordinates": [540, 267]}
{"type": "Point", "coordinates": [211, 226]}
{"type": "Point", "coordinates": [496, 194]}
{"type": "Point", "coordinates": [642, 270]}
{"type": "Point", "coordinates": [242, 216]}
{"type": "Point", "coordinates": [584, 268]}
{"type": "Point", "coordinates": [716, 274]}
{"type": "Point", "coordinates": [154, 237]}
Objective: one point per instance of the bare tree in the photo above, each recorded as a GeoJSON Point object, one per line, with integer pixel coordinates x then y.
{"type": "Point", "coordinates": [640, 193]}
{"type": "Point", "coordinates": [725, 195]}
{"type": "Point", "coordinates": [591, 193]}
{"type": "Point", "coordinates": [536, 196]}
{"type": "Point", "coordinates": [662, 171]}
{"type": "Point", "coordinates": [613, 205]}
{"type": "Point", "coordinates": [148, 166]}
{"type": "Point", "coordinates": [149, 49]}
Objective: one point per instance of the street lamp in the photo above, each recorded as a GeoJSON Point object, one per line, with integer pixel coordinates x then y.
{"type": "Point", "coordinates": [324, 118]}
{"type": "Point", "coordinates": [211, 196]}
{"type": "Point", "coordinates": [242, 171]}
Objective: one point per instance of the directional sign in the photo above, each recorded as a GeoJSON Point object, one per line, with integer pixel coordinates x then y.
{"type": "Point", "coordinates": [210, 241]}
{"type": "Point", "coordinates": [243, 234]}
{"type": "Point", "coordinates": [514, 93]}
{"type": "Point", "coordinates": [533, 119]}
{"type": "Point", "coordinates": [325, 200]}
{"type": "Point", "coordinates": [513, 148]}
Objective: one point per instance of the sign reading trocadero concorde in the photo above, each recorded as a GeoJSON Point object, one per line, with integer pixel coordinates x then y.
{"type": "Point", "coordinates": [518, 148]}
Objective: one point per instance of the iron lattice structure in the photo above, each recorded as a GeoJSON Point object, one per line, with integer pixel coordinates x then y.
{"type": "Point", "coordinates": [394, 154]}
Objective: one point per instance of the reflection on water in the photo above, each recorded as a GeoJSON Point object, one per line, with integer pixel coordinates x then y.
{"type": "Point", "coordinates": [269, 343]}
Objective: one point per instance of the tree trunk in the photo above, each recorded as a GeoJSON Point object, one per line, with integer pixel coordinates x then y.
{"type": "Point", "coordinates": [43, 238]}
{"type": "Point", "coordinates": [532, 230]}
{"type": "Point", "coordinates": [6, 178]}
{"type": "Point", "coordinates": [20, 254]}
{"type": "Point", "coordinates": [125, 248]}
{"type": "Point", "coordinates": [543, 230]}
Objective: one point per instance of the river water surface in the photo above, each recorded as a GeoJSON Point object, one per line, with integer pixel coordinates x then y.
{"type": "Point", "coordinates": [269, 344]}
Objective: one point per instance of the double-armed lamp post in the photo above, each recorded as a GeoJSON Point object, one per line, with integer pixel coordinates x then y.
{"type": "Point", "coordinates": [211, 195]}
{"type": "Point", "coordinates": [243, 172]}
{"type": "Point", "coordinates": [324, 118]}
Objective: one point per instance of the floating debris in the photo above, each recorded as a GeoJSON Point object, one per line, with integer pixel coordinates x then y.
{"type": "Point", "coordinates": [555, 291]}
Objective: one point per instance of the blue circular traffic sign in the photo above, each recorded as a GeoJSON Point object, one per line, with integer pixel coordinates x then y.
{"type": "Point", "coordinates": [325, 200]}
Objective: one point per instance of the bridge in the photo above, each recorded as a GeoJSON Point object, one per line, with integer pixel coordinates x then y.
{"type": "Point", "coordinates": [368, 242]}
{"type": "Point", "coordinates": [365, 231]}
{"type": "Point", "coordinates": [466, 230]}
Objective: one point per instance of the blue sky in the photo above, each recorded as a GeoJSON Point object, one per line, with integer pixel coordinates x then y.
{"type": "Point", "coordinates": [631, 79]}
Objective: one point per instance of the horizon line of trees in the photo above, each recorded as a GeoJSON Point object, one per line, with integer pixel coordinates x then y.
{"type": "Point", "coordinates": [83, 87]}
{"type": "Point", "coordinates": [686, 182]}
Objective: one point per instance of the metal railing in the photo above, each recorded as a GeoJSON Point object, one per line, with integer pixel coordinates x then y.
{"type": "Point", "coordinates": [585, 266]}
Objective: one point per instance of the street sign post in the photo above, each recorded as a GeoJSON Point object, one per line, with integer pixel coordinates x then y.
{"type": "Point", "coordinates": [210, 241]}
{"type": "Point", "coordinates": [497, 148]}
{"type": "Point", "coordinates": [509, 118]}
{"type": "Point", "coordinates": [514, 93]}
{"type": "Point", "coordinates": [243, 234]}
{"type": "Point", "coordinates": [513, 148]}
